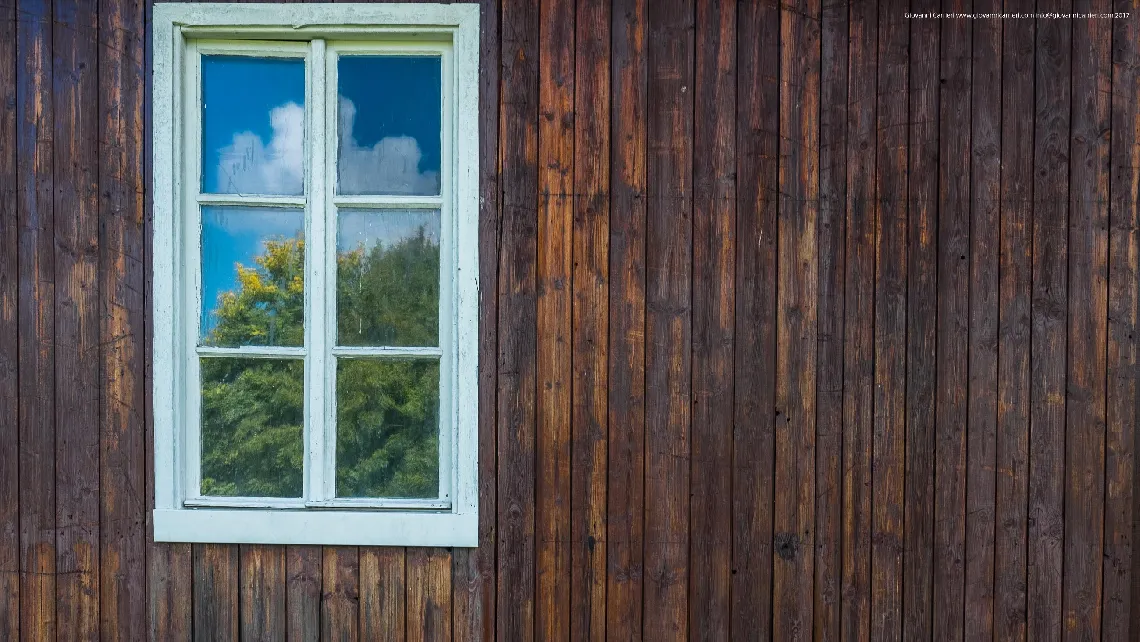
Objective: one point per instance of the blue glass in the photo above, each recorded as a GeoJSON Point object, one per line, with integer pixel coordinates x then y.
{"type": "Point", "coordinates": [253, 125]}
{"type": "Point", "coordinates": [253, 266]}
{"type": "Point", "coordinates": [389, 125]}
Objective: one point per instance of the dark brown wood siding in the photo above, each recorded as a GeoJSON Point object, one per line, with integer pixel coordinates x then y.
{"type": "Point", "coordinates": [798, 320]}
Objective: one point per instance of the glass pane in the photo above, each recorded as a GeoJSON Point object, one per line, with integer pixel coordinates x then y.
{"type": "Point", "coordinates": [387, 431]}
{"type": "Point", "coordinates": [387, 288]}
{"type": "Point", "coordinates": [389, 124]}
{"type": "Point", "coordinates": [252, 427]}
{"type": "Point", "coordinates": [253, 125]}
{"type": "Point", "coordinates": [253, 267]}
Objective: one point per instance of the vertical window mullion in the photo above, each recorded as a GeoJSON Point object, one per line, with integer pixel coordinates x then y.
{"type": "Point", "coordinates": [315, 297]}
{"type": "Point", "coordinates": [328, 253]}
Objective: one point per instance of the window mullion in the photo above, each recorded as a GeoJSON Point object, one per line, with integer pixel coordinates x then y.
{"type": "Point", "coordinates": [328, 100]}
{"type": "Point", "coordinates": [315, 297]}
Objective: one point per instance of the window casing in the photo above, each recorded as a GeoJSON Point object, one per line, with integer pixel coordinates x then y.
{"type": "Point", "coordinates": [324, 193]}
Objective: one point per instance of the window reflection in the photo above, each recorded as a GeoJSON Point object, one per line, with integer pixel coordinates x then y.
{"type": "Point", "coordinates": [253, 266]}
{"type": "Point", "coordinates": [388, 278]}
{"type": "Point", "coordinates": [389, 125]}
{"type": "Point", "coordinates": [253, 125]}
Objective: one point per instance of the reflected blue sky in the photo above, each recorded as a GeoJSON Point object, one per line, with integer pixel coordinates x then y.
{"type": "Point", "coordinates": [253, 125]}
{"type": "Point", "coordinates": [232, 235]}
{"type": "Point", "coordinates": [369, 228]}
{"type": "Point", "coordinates": [390, 124]}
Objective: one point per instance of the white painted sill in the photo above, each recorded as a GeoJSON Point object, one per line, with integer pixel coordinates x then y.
{"type": "Point", "coordinates": [333, 528]}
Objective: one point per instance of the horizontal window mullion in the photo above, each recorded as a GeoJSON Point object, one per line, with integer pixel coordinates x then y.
{"type": "Point", "coordinates": [388, 202]}
{"type": "Point", "coordinates": [422, 353]}
{"type": "Point", "coordinates": [262, 352]}
{"type": "Point", "coordinates": [379, 503]}
{"type": "Point", "coordinates": [245, 502]}
{"type": "Point", "coordinates": [248, 200]}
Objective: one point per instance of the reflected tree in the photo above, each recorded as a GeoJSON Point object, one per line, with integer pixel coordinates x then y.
{"type": "Point", "coordinates": [387, 409]}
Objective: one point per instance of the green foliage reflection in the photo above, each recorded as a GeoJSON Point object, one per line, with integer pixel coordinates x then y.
{"type": "Point", "coordinates": [387, 416]}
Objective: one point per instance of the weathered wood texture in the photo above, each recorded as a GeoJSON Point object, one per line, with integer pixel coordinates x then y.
{"type": "Point", "coordinates": [799, 320]}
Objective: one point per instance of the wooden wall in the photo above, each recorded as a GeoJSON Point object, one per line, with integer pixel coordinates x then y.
{"type": "Point", "coordinates": [801, 320]}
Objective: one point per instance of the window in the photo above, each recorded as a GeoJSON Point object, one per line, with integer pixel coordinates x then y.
{"type": "Point", "coordinates": [315, 274]}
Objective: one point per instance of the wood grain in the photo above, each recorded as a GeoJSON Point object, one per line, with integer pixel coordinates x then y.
{"type": "Point", "coordinates": [981, 435]}
{"type": "Point", "coordinates": [714, 322]}
{"type": "Point", "coordinates": [829, 351]}
{"type": "Point", "coordinates": [953, 323]}
{"type": "Point", "coordinates": [858, 324]}
{"type": "Point", "coordinates": [625, 486]}
{"type": "Point", "coordinates": [668, 322]}
{"type": "Point", "coordinates": [555, 240]}
{"type": "Point", "coordinates": [429, 595]}
{"type": "Point", "coordinates": [76, 178]}
{"type": "Point", "coordinates": [1085, 390]}
{"type": "Point", "coordinates": [304, 576]}
{"type": "Point", "coordinates": [36, 259]}
{"type": "Point", "coordinates": [1123, 324]}
{"type": "Point", "coordinates": [921, 326]}
{"type": "Point", "coordinates": [383, 593]}
{"type": "Point", "coordinates": [124, 315]}
{"type": "Point", "coordinates": [590, 328]}
{"type": "Point", "coordinates": [1014, 326]}
{"type": "Point", "coordinates": [1049, 313]}
{"type": "Point", "coordinates": [888, 456]}
{"type": "Point", "coordinates": [340, 594]}
{"type": "Point", "coordinates": [796, 312]}
{"type": "Point", "coordinates": [216, 592]}
{"type": "Point", "coordinates": [262, 592]}
{"type": "Point", "coordinates": [9, 333]}
{"type": "Point", "coordinates": [517, 378]}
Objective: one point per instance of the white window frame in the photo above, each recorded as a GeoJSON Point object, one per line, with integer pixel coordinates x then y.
{"type": "Point", "coordinates": [318, 33]}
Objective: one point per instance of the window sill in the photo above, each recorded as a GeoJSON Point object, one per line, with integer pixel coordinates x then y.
{"type": "Point", "coordinates": [327, 527]}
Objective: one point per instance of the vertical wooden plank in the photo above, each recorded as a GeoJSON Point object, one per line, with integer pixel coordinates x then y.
{"type": "Point", "coordinates": [1123, 301]}
{"type": "Point", "coordinates": [858, 324]}
{"type": "Point", "coordinates": [555, 237]}
{"type": "Point", "coordinates": [796, 300]}
{"type": "Point", "coordinates": [123, 316]}
{"type": "Point", "coordinates": [518, 163]}
{"type": "Point", "coordinates": [1085, 390]}
{"type": "Point", "coordinates": [668, 356]}
{"type": "Point", "coordinates": [76, 125]}
{"type": "Point", "coordinates": [953, 322]}
{"type": "Point", "coordinates": [216, 595]}
{"type": "Point", "coordinates": [262, 592]}
{"type": "Point", "coordinates": [429, 596]}
{"type": "Point", "coordinates": [1014, 329]}
{"type": "Point", "coordinates": [9, 333]}
{"type": "Point", "coordinates": [34, 147]}
{"type": "Point", "coordinates": [340, 603]}
{"type": "Point", "coordinates": [170, 595]}
{"type": "Point", "coordinates": [922, 325]}
{"type": "Point", "coordinates": [1049, 312]}
{"type": "Point", "coordinates": [714, 301]}
{"type": "Point", "coordinates": [981, 436]}
{"type": "Point", "coordinates": [753, 450]}
{"type": "Point", "coordinates": [473, 574]}
{"type": "Point", "coordinates": [888, 449]}
{"type": "Point", "coordinates": [829, 352]}
{"type": "Point", "coordinates": [303, 583]}
{"type": "Point", "coordinates": [382, 593]}
{"type": "Point", "coordinates": [591, 320]}
{"type": "Point", "coordinates": [625, 499]}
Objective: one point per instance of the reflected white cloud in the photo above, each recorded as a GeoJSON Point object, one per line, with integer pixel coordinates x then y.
{"type": "Point", "coordinates": [391, 166]}
{"type": "Point", "coordinates": [249, 166]}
